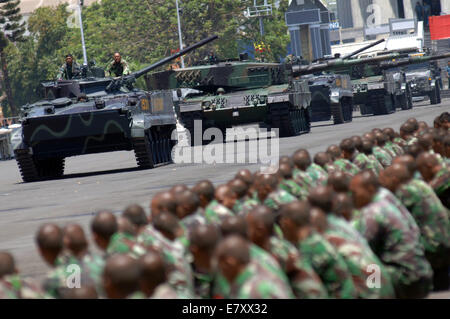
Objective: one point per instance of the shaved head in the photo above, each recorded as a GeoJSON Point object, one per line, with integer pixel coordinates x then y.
{"type": "Point", "coordinates": [121, 276]}
{"type": "Point", "coordinates": [163, 202]}
{"type": "Point", "coordinates": [50, 237]}
{"type": "Point", "coordinates": [167, 224]}
{"type": "Point", "coordinates": [297, 212]}
{"type": "Point", "coordinates": [233, 254]}
{"type": "Point", "coordinates": [334, 151]}
{"type": "Point", "coordinates": [357, 142]}
{"type": "Point", "coordinates": [205, 192]}
{"type": "Point", "coordinates": [347, 147]}
{"type": "Point", "coordinates": [339, 181]}
{"type": "Point", "coordinates": [301, 159]}
{"type": "Point", "coordinates": [234, 225]}
{"type": "Point", "coordinates": [322, 158]}
{"type": "Point", "coordinates": [343, 206]}
{"type": "Point", "coordinates": [239, 187]}
{"type": "Point", "coordinates": [7, 264]}
{"type": "Point", "coordinates": [246, 176]}
{"type": "Point", "coordinates": [205, 237]}
{"type": "Point", "coordinates": [408, 161]}
{"type": "Point", "coordinates": [390, 133]}
{"type": "Point", "coordinates": [179, 188]}
{"type": "Point", "coordinates": [153, 272]}
{"type": "Point", "coordinates": [74, 239]}
{"type": "Point", "coordinates": [187, 203]}
{"type": "Point", "coordinates": [136, 215]}
{"type": "Point", "coordinates": [367, 146]}
{"type": "Point", "coordinates": [322, 197]}
{"type": "Point", "coordinates": [285, 171]}
{"type": "Point", "coordinates": [104, 224]}
{"type": "Point", "coordinates": [125, 226]}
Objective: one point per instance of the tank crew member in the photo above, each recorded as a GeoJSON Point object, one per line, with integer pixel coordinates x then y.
{"type": "Point", "coordinates": [69, 70]}
{"type": "Point", "coordinates": [118, 66]}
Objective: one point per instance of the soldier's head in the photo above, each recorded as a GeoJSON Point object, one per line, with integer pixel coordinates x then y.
{"type": "Point", "coordinates": [357, 141]}
{"type": "Point", "coordinates": [285, 171]}
{"type": "Point", "coordinates": [7, 264]}
{"type": "Point", "coordinates": [246, 176]}
{"type": "Point", "coordinates": [414, 150]}
{"type": "Point", "coordinates": [168, 225]}
{"type": "Point", "coordinates": [163, 202]}
{"type": "Point", "coordinates": [414, 123]}
{"type": "Point", "coordinates": [103, 226]}
{"type": "Point", "coordinates": [381, 139]}
{"type": "Point", "coordinates": [265, 184]}
{"type": "Point", "coordinates": [394, 176]}
{"type": "Point", "coordinates": [125, 226]}
{"type": "Point", "coordinates": [234, 225]}
{"type": "Point", "coordinates": [294, 220]}
{"type": "Point", "coordinates": [225, 196]}
{"type": "Point", "coordinates": [369, 136]}
{"type": "Point", "coordinates": [260, 221]}
{"type": "Point", "coordinates": [406, 130]}
{"type": "Point", "coordinates": [202, 242]}
{"type": "Point", "coordinates": [178, 188]}
{"type": "Point", "coordinates": [301, 159]}
{"type": "Point", "coordinates": [376, 130]}
{"type": "Point", "coordinates": [187, 203]}
{"type": "Point", "coordinates": [390, 133]}
{"type": "Point", "coordinates": [348, 148]}
{"type": "Point", "coordinates": [153, 272]}
{"type": "Point", "coordinates": [423, 126]}
{"type": "Point", "coordinates": [86, 290]}
{"type": "Point", "coordinates": [322, 197]}
{"type": "Point", "coordinates": [343, 206]}
{"type": "Point", "coordinates": [239, 187]}
{"type": "Point", "coordinates": [426, 141]}
{"type": "Point", "coordinates": [136, 215]}
{"type": "Point", "coordinates": [233, 255]}
{"type": "Point", "coordinates": [339, 181]}
{"type": "Point", "coordinates": [318, 219]}
{"type": "Point", "coordinates": [322, 159]}
{"type": "Point", "coordinates": [367, 146]}
{"type": "Point", "coordinates": [205, 192]}
{"type": "Point", "coordinates": [437, 122]}
{"type": "Point", "coordinates": [117, 57]}
{"type": "Point", "coordinates": [121, 276]}
{"type": "Point", "coordinates": [69, 59]}
{"type": "Point", "coordinates": [286, 160]}
{"type": "Point", "coordinates": [428, 165]}
{"type": "Point", "coordinates": [438, 140]}
{"type": "Point", "coordinates": [364, 186]}
{"type": "Point", "coordinates": [334, 151]}
{"type": "Point", "coordinates": [74, 239]}
{"type": "Point", "coordinates": [408, 161]}
{"type": "Point", "coordinates": [49, 240]}
{"type": "Point", "coordinates": [444, 120]}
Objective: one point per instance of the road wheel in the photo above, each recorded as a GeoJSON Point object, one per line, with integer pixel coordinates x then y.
{"type": "Point", "coordinates": [143, 151]}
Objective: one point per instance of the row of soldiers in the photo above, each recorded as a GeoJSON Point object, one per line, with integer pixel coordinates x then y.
{"type": "Point", "coordinates": [368, 218]}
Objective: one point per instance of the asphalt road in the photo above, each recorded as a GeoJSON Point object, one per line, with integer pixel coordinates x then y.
{"type": "Point", "coordinates": [112, 181]}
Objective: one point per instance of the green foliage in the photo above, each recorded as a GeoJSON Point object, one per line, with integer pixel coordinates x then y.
{"type": "Point", "coordinates": [143, 31]}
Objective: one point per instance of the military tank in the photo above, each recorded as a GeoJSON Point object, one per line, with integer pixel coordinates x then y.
{"type": "Point", "coordinates": [94, 114]}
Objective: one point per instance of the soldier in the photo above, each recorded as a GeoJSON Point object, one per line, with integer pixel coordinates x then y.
{"type": "Point", "coordinates": [269, 194]}
{"type": "Point", "coordinates": [326, 262]}
{"type": "Point", "coordinates": [438, 142]}
{"type": "Point", "coordinates": [302, 160]}
{"type": "Point", "coordinates": [69, 70]}
{"type": "Point", "coordinates": [285, 175]}
{"type": "Point", "coordinates": [394, 142]}
{"type": "Point", "coordinates": [153, 279]}
{"type": "Point", "coordinates": [203, 241]}
{"type": "Point", "coordinates": [391, 238]}
{"type": "Point", "coordinates": [303, 280]}
{"type": "Point", "coordinates": [243, 203]}
{"type": "Point", "coordinates": [188, 210]}
{"type": "Point", "coordinates": [12, 285]}
{"type": "Point", "coordinates": [91, 265]}
{"type": "Point", "coordinates": [407, 133]}
{"type": "Point", "coordinates": [246, 176]}
{"type": "Point", "coordinates": [205, 192]}
{"type": "Point", "coordinates": [343, 206]}
{"type": "Point", "coordinates": [382, 141]}
{"type": "Point", "coordinates": [436, 175]}
{"type": "Point", "coordinates": [136, 215]}
{"type": "Point", "coordinates": [212, 58]}
{"type": "Point", "coordinates": [245, 280]}
{"type": "Point", "coordinates": [103, 227]}
{"type": "Point", "coordinates": [324, 160]}
{"type": "Point", "coordinates": [339, 182]}
{"type": "Point", "coordinates": [121, 278]}
{"type": "Point", "coordinates": [163, 202]}
{"type": "Point", "coordinates": [118, 66]}
{"type": "Point", "coordinates": [221, 207]}
{"type": "Point", "coordinates": [431, 216]}
{"type": "Point", "coordinates": [360, 158]}
{"type": "Point", "coordinates": [353, 249]}
{"type": "Point", "coordinates": [343, 164]}
{"type": "Point", "coordinates": [383, 156]}
{"type": "Point", "coordinates": [234, 225]}
{"type": "Point", "coordinates": [317, 174]}
{"type": "Point", "coordinates": [178, 188]}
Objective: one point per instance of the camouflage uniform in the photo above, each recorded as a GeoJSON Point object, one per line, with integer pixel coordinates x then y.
{"type": "Point", "coordinates": [359, 259]}
{"type": "Point", "coordinates": [363, 162]}
{"type": "Point", "coordinates": [118, 69]}
{"type": "Point", "coordinates": [122, 243]}
{"type": "Point", "coordinates": [399, 141]}
{"type": "Point", "coordinates": [303, 179]}
{"type": "Point", "coordinates": [390, 151]}
{"type": "Point", "coordinates": [165, 291]}
{"type": "Point", "coordinates": [382, 156]}
{"type": "Point", "coordinates": [441, 186]}
{"type": "Point", "coordinates": [303, 280]}
{"type": "Point", "coordinates": [394, 148]}
{"type": "Point", "coordinates": [330, 267]}
{"type": "Point", "coordinates": [277, 198]}
{"type": "Point", "coordinates": [252, 283]}
{"type": "Point", "coordinates": [293, 188]}
{"type": "Point", "coordinates": [68, 73]}
{"type": "Point", "coordinates": [331, 168]}
{"type": "Point", "coordinates": [431, 216]}
{"type": "Point", "coordinates": [346, 166]}
{"type": "Point", "coordinates": [396, 244]}
{"type": "Point", "coordinates": [203, 284]}
{"type": "Point", "coordinates": [175, 255]}
{"type": "Point", "coordinates": [244, 205]}
{"type": "Point", "coordinates": [412, 140]}
{"type": "Point", "coordinates": [16, 287]}
{"type": "Point", "coordinates": [215, 212]}
{"type": "Point", "coordinates": [191, 221]}
{"type": "Point", "coordinates": [318, 174]}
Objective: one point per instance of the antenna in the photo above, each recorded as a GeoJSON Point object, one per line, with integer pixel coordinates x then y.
{"type": "Point", "coordinates": [259, 11]}
{"type": "Point", "coordinates": [80, 5]}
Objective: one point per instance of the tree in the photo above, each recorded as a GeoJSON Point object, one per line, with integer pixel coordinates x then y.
{"type": "Point", "coordinates": [13, 31]}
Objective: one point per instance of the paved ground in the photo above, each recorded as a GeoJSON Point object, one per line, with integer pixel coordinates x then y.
{"type": "Point", "coordinates": [112, 181]}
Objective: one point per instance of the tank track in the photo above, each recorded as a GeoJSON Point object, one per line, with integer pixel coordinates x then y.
{"type": "Point", "coordinates": [379, 105]}
{"type": "Point", "coordinates": [290, 122]}
{"type": "Point", "coordinates": [188, 119]}
{"type": "Point", "coordinates": [33, 170]}
{"type": "Point", "coordinates": [337, 112]}
{"type": "Point", "coordinates": [153, 149]}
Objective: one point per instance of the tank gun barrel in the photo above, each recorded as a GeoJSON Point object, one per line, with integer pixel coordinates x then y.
{"type": "Point", "coordinates": [337, 64]}
{"type": "Point", "coordinates": [348, 56]}
{"type": "Point", "coordinates": [413, 60]}
{"type": "Point", "coordinates": [197, 45]}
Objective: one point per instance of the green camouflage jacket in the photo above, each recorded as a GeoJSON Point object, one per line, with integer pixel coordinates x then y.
{"type": "Point", "coordinates": [294, 189]}
{"type": "Point", "coordinates": [363, 162]}
{"type": "Point", "coordinates": [244, 205]}
{"type": "Point", "coordinates": [382, 156]}
{"type": "Point", "coordinates": [346, 166]}
{"type": "Point", "coordinates": [118, 69]}
{"type": "Point", "coordinates": [318, 174]}
{"type": "Point", "coordinates": [328, 265]}
{"type": "Point", "coordinates": [394, 148]}
{"type": "Point", "coordinates": [16, 287]}
{"type": "Point", "coordinates": [376, 164]}
{"type": "Point", "coordinates": [215, 213]}
{"type": "Point", "coordinates": [431, 216]}
{"type": "Point", "coordinates": [302, 178]}
{"type": "Point", "coordinates": [66, 73]}
{"type": "Point", "coordinates": [441, 182]}
{"type": "Point", "coordinates": [277, 198]}
{"type": "Point", "coordinates": [394, 241]}
{"type": "Point", "coordinates": [123, 243]}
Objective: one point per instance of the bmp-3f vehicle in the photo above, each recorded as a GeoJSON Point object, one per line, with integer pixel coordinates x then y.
{"type": "Point", "coordinates": [96, 114]}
